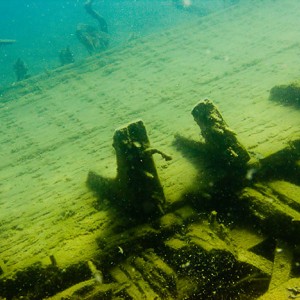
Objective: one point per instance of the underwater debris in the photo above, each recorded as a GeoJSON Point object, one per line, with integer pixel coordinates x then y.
{"type": "Point", "coordinates": [286, 94]}
{"type": "Point", "coordinates": [21, 70]}
{"type": "Point", "coordinates": [66, 56]}
{"type": "Point", "coordinates": [93, 39]}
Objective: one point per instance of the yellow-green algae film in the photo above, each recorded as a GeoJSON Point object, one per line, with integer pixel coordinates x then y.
{"type": "Point", "coordinates": [61, 102]}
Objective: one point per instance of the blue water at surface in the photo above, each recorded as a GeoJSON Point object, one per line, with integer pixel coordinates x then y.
{"type": "Point", "coordinates": [42, 28]}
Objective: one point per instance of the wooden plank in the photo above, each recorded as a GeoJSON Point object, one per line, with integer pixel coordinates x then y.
{"type": "Point", "coordinates": [288, 193]}
{"type": "Point", "coordinates": [257, 261]}
{"type": "Point", "coordinates": [158, 274]}
{"type": "Point", "coordinates": [276, 218]}
{"type": "Point", "coordinates": [245, 238]}
{"type": "Point", "coordinates": [288, 290]}
{"type": "Point", "coordinates": [138, 288]}
{"type": "Point", "coordinates": [282, 265]}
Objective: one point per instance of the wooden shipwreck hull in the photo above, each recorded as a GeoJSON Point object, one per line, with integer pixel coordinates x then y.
{"type": "Point", "coordinates": [215, 217]}
{"type": "Point", "coordinates": [234, 241]}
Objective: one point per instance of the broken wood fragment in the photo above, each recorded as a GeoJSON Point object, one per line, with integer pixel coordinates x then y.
{"type": "Point", "coordinates": [282, 265]}
{"type": "Point", "coordinates": [287, 193]}
{"type": "Point", "coordinates": [286, 93]}
{"type": "Point", "coordinates": [160, 275]}
{"type": "Point", "coordinates": [281, 164]}
{"type": "Point", "coordinates": [274, 217]}
{"type": "Point", "coordinates": [115, 247]}
{"type": "Point", "coordinates": [137, 287]}
{"type": "Point", "coordinates": [89, 290]}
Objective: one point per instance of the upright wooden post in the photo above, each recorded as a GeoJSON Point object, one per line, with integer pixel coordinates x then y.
{"type": "Point", "coordinates": [220, 139]}
{"type": "Point", "coordinates": [137, 184]}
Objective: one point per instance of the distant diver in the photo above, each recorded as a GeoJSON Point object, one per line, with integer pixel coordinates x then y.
{"type": "Point", "coordinates": [95, 39]}
{"type": "Point", "coordinates": [21, 70]}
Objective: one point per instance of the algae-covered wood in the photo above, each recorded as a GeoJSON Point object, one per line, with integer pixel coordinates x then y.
{"type": "Point", "coordinates": [58, 126]}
